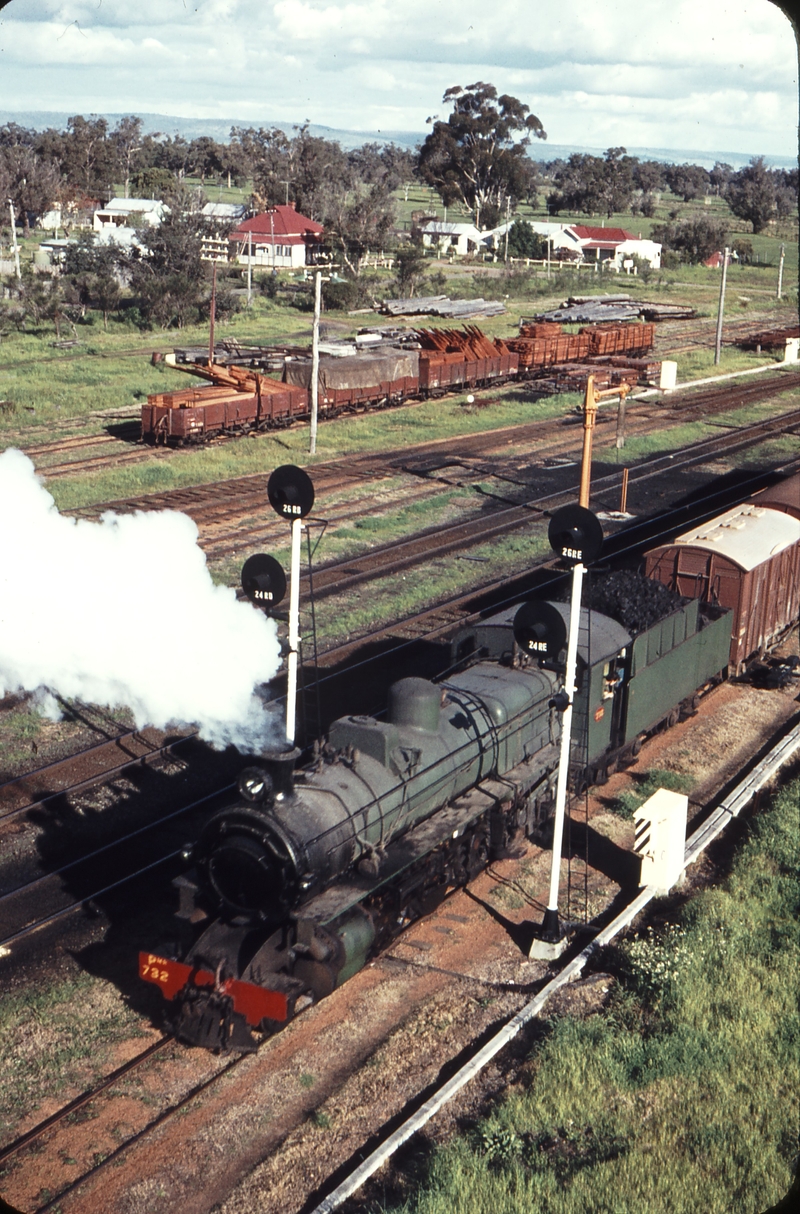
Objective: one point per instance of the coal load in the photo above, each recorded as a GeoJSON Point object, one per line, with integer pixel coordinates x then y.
{"type": "Point", "coordinates": [634, 601]}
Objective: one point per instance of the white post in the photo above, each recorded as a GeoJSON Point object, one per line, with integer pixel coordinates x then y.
{"type": "Point", "coordinates": [249, 268]}
{"type": "Point", "coordinates": [294, 630]}
{"type": "Point", "coordinates": [315, 362]}
{"type": "Point", "coordinates": [14, 239]}
{"type": "Point", "coordinates": [550, 925]}
{"type": "Point", "coordinates": [548, 256]}
{"type": "Point", "coordinates": [780, 270]}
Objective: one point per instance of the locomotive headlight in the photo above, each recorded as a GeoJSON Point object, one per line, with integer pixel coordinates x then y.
{"type": "Point", "coordinates": [255, 785]}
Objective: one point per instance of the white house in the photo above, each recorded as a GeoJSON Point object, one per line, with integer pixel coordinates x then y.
{"type": "Point", "coordinates": [448, 238]}
{"type": "Point", "coordinates": [277, 239]}
{"type": "Point", "coordinates": [495, 238]}
{"type": "Point", "coordinates": [119, 210]}
{"type": "Point", "coordinates": [583, 243]}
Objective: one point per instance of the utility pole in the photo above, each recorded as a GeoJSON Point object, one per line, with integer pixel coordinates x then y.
{"type": "Point", "coordinates": [508, 214]}
{"type": "Point", "coordinates": [780, 271]}
{"type": "Point", "coordinates": [213, 316]}
{"type": "Point", "coordinates": [718, 341]}
{"type": "Point", "coordinates": [315, 362]}
{"type": "Point", "coordinates": [249, 268]}
{"type": "Point", "coordinates": [272, 237]}
{"type": "Point", "coordinates": [14, 240]}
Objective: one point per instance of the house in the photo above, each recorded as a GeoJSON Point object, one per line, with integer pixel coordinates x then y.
{"type": "Point", "coordinates": [280, 238]}
{"type": "Point", "coordinates": [495, 237]}
{"type": "Point", "coordinates": [219, 218]}
{"type": "Point", "coordinates": [448, 238]}
{"type": "Point", "coordinates": [119, 210]}
{"type": "Point", "coordinates": [580, 242]}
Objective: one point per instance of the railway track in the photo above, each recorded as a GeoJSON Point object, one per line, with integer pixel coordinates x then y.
{"type": "Point", "coordinates": [107, 759]}
{"type": "Point", "coordinates": [461, 948]}
{"type": "Point", "coordinates": [40, 902]}
{"type": "Point", "coordinates": [224, 511]}
{"type": "Point", "coordinates": [427, 546]}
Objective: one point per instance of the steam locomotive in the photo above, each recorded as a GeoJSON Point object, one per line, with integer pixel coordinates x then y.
{"type": "Point", "coordinates": [312, 870]}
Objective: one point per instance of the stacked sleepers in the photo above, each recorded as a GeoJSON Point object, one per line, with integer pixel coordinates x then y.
{"type": "Point", "coordinates": [194, 414]}
{"type": "Point", "coordinates": [747, 559]}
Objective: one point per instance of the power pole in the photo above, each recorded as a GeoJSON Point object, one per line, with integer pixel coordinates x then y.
{"type": "Point", "coordinates": [14, 240]}
{"type": "Point", "coordinates": [249, 268]}
{"type": "Point", "coordinates": [508, 214]}
{"type": "Point", "coordinates": [718, 341]}
{"type": "Point", "coordinates": [315, 362]}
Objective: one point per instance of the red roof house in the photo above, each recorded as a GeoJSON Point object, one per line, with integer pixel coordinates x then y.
{"type": "Point", "coordinates": [581, 242]}
{"type": "Point", "coordinates": [279, 238]}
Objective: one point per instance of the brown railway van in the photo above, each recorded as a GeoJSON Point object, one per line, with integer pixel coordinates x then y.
{"type": "Point", "coordinates": [747, 559]}
{"type": "Point", "coordinates": [783, 495]}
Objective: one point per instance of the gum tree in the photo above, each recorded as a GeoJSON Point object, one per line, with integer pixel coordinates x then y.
{"type": "Point", "coordinates": [478, 157]}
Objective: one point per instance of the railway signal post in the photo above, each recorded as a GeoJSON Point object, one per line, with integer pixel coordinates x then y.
{"type": "Point", "coordinates": [291, 495]}
{"type": "Point", "coordinates": [577, 537]}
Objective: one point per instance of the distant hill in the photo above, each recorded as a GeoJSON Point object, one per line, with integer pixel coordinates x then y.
{"type": "Point", "coordinates": [220, 129]}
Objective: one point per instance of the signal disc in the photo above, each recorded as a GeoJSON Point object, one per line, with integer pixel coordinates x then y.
{"type": "Point", "coordinates": [576, 534]}
{"type": "Point", "coordinates": [263, 580]}
{"type": "Point", "coordinates": [539, 629]}
{"type": "Point", "coordinates": [291, 492]}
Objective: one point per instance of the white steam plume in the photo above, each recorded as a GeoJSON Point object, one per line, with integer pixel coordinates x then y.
{"type": "Point", "coordinates": [124, 611]}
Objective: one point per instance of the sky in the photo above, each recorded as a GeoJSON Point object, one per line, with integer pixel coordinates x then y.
{"type": "Point", "coordinates": [701, 74]}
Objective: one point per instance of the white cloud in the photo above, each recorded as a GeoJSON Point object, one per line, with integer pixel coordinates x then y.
{"type": "Point", "coordinates": [618, 69]}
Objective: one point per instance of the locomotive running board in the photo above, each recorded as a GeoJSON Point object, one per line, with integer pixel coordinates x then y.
{"type": "Point", "coordinates": [402, 853]}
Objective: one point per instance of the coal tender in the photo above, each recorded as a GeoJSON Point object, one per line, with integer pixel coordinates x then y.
{"type": "Point", "coordinates": [312, 870]}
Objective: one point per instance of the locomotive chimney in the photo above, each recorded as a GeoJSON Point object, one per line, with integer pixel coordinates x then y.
{"type": "Point", "coordinates": [281, 764]}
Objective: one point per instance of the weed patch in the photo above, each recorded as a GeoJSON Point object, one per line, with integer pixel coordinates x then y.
{"type": "Point", "coordinates": [626, 804]}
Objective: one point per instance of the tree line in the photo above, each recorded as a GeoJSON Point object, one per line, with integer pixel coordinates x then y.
{"type": "Point", "coordinates": [476, 159]}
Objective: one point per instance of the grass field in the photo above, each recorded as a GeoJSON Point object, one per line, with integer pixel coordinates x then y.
{"type": "Point", "coordinates": [681, 1094]}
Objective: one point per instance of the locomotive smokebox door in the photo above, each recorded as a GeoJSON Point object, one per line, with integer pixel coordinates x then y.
{"type": "Point", "coordinates": [291, 492]}
{"type": "Point", "coordinates": [263, 581]}
{"type": "Point", "coordinates": [540, 630]}
{"type": "Point", "coordinates": [575, 534]}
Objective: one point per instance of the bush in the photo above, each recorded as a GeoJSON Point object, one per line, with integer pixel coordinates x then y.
{"type": "Point", "coordinates": [352, 293]}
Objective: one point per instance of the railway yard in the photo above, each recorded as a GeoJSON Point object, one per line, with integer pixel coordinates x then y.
{"type": "Point", "coordinates": [413, 540]}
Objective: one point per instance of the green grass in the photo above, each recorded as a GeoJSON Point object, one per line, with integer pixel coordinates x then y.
{"type": "Point", "coordinates": [680, 1095]}
{"type": "Point", "coordinates": [645, 784]}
